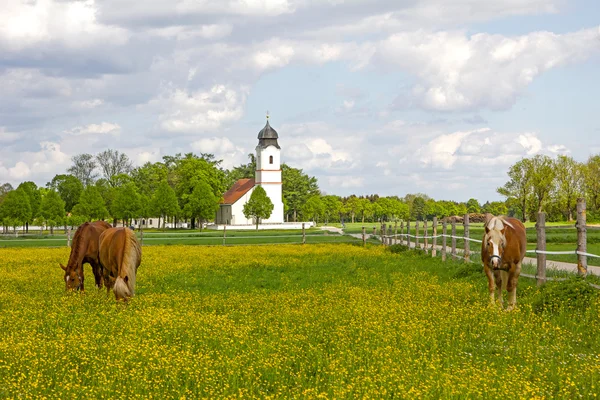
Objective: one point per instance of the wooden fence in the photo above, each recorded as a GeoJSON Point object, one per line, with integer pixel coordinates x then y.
{"type": "Point", "coordinates": [422, 242]}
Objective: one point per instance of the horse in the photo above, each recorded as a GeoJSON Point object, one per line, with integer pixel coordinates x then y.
{"type": "Point", "coordinates": [502, 252]}
{"type": "Point", "coordinates": [120, 255]}
{"type": "Point", "coordinates": [84, 249]}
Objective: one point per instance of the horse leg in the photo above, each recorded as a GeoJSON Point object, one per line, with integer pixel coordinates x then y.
{"type": "Point", "coordinates": [97, 269]}
{"type": "Point", "coordinates": [512, 286]}
{"type": "Point", "coordinates": [500, 285]}
{"type": "Point", "coordinates": [491, 283]}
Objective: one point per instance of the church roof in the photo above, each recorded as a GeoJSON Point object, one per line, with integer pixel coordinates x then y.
{"type": "Point", "coordinates": [240, 188]}
{"type": "Point", "coordinates": [268, 136]}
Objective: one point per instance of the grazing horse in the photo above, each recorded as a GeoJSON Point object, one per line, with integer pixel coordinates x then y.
{"type": "Point", "coordinates": [502, 251]}
{"type": "Point", "coordinates": [120, 255]}
{"type": "Point", "coordinates": [84, 249]}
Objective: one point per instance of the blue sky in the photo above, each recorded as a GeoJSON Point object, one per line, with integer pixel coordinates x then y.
{"type": "Point", "coordinates": [370, 96]}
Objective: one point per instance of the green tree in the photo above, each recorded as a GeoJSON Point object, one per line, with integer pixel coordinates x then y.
{"type": "Point", "coordinates": [473, 206]}
{"type": "Point", "coordinates": [417, 211]}
{"type": "Point", "coordinates": [298, 187]}
{"type": "Point", "coordinates": [243, 171]}
{"type": "Point", "coordinates": [69, 188]}
{"type": "Point", "coordinates": [543, 175]}
{"type": "Point", "coordinates": [202, 203]}
{"type": "Point", "coordinates": [164, 202]}
{"type": "Point", "coordinates": [259, 206]}
{"type": "Point", "coordinates": [495, 207]}
{"type": "Point", "coordinates": [519, 186]}
{"type": "Point", "coordinates": [569, 177]}
{"type": "Point", "coordinates": [352, 206]}
{"type": "Point", "coordinates": [15, 208]}
{"type": "Point", "coordinates": [35, 199]}
{"type": "Point", "coordinates": [126, 203]}
{"type": "Point", "coordinates": [84, 169]}
{"type": "Point", "coordinates": [52, 209]}
{"type": "Point", "coordinates": [332, 206]}
{"type": "Point", "coordinates": [313, 208]}
{"type": "Point", "coordinates": [149, 176]}
{"type": "Point", "coordinates": [91, 204]}
{"type": "Point", "coordinates": [592, 181]}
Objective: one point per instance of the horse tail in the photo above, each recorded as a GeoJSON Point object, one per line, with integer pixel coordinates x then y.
{"type": "Point", "coordinates": [125, 282]}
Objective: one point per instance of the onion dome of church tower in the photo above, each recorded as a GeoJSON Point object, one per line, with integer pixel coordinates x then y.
{"type": "Point", "coordinates": [268, 136]}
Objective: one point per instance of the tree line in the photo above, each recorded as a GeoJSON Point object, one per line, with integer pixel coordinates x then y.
{"type": "Point", "coordinates": [185, 187]}
{"type": "Point", "coordinates": [190, 187]}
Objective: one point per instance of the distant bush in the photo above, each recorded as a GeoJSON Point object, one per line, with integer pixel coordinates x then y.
{"type": "Point", "coordinates": [467, 270]}
{"type": "Point", "coordinates": [573, 294]}
{"type": "Point", "coordinates": [398, 248]}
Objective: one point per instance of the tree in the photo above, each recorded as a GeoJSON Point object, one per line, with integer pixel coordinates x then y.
{"type": "Point", "coordinates": [91, 204]}
{"type": "Point", "coordinates": [164, 201]}
{"type": "Point", "coordinates": [495, 208]}
{"type": "Point", "coordinates": [569, 176]}
{"type": "Point", "coordinates": [332, 206]}
{"type": "Point", "coordinates": [259, 206]}
{"type": "Point", "coordinates": [15, 208]}
{"type": "Point", "coordinates": [35, 198]}
{"type": "Point", "coordinates": [473, 206]}
{"type": "Point", "coordinates": [69, 188]}
{"type": "Point", "coordinates": [52, 209]}
{"type": "Point", "coordinates": [417, 211]}
{"type": "Point", "coordinates": [313, 208]}
{"type": "Point", "coordinates": [4, 189]}
{"type": "Point", "coordinates": [242, 171]}
{"type": "Point", "coordinates": [126, 203]}
{"type": "Point", "coordinates": [542, 179]}
{"type": "Point", "coordinates": [297, 188]}
{"type": "Point", "coordinates": [592, 181]}
{"type": "Point", "coordinates": [519, 185]}
{"type": "Point", "coordinates": [83, 168]}
{"type": "Point", "coordinates": [202, 203]}
{"type": "Point", "coordinates": [149, 176]}
{"type": "Point", "coordinates": [113, 163]}
{"type": "Point", "coordinates": [352, 206]}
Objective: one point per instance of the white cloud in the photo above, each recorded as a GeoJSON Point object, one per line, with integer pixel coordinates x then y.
{"type": "Point", "coordinates": [89, 104]}
{"type": "Point", "coordinates": [346, 182]}
{"type": "Point", "coordinates": [530, 143]}
{"type": "Point", "coordinates": [8, 137]}
{"type": "Point", "coordinates": [104, 128]}
{"type": "Point", "coordinates": [185, 112]}
{"type": "Point", "coordinates": [460, 72]}
{"type": "Point", "coordinates": [222, 148]}
{"type": "Point", "coordinates": [38, 165]}
{"type": "Point", "coordinates": [559, 149]}
{"type": "Point", "coordinates": [26, 24]}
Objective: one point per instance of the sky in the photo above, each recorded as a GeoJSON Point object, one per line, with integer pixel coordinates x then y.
{"type": "Point", "coordinates": [369, 96]}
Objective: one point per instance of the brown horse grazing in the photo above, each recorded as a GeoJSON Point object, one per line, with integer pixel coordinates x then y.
{"type": "Point", "coordinates": [120, 256]}
{"type": "Point", "coordinates": [84, 249]}
{"type": "Point", "coordinates": [502, 251]}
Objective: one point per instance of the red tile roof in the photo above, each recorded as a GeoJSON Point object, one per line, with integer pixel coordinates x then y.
{"type": "Point", "coordinates": [240, 188]}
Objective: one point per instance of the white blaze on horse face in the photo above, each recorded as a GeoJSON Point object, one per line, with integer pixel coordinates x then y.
{"type": "Point", "coordinates": [496, 254]}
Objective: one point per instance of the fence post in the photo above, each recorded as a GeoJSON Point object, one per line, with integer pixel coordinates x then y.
{"type": "Point", "coordinates": [581, 237]}
{"type": "Point", "coordinates": [416, 234]}
{"type": "Point", "coordinates": [69, 236]}
{"type": "Point", "coordinates": [434, 238]}
{"type": "Point", "coordinates": [540, 227]}
{"type": "Point", "coordinates": [374, 232]}
{"type": "Point", "coordinates": [364, 237]}
{"type": "Point", "coordinates": [408, 233]}
{"type": "Point", "coordinates": [303, 234]}
{"type": "Point", "coordinates": [425, 234]}
{"type": "Point", "coordinates": [390, 237]}
{"type": "Point", "coordinates": [467, 255]}
{"type": "Point", "coordinates": [224, 233]}
{"type": "Point", "coordinates": [453, 251]}
{"type": "Point", "coordinates": [444, 240]}
{"type": "Point", "coordinates": [382, 234]}
{"type": "Point", "coordinates": [396, 232]}
{"type": "Point", "coordinates": [401, 232]}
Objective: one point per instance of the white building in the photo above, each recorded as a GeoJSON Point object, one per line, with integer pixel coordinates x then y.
{"type": "Point", "coordinates": [267, 175]}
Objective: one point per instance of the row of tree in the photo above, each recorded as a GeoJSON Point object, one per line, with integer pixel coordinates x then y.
{"type": "Point", "coordinates": [552, 185]}
{"type": "Point", "coordinates": [181, 187]}
{"type": "Point", "coordinates": [189, 187]}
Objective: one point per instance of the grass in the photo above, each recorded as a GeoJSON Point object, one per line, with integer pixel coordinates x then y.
{"type": "Point", "coordinates": [187, 237]}
{"type": "Point", "coordinates": [288, 321]}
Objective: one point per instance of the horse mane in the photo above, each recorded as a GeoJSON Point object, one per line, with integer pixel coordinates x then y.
{"type": "Point", "coordinates": [130, 259]}
{"type": "Point", "coordinates": [77, 244]}
{"type": "Point", "coordinates": [497, 223]}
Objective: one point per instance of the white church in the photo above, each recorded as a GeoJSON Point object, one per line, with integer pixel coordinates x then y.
{"type": "Point", "coordinates": [267, 175]}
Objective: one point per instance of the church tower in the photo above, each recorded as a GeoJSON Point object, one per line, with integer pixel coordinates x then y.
{"type": "Point", "coordinates": [268, 170]}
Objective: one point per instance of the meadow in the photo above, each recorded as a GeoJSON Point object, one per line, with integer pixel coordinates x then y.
{"type": "Point", "coordinates": [290, 321]}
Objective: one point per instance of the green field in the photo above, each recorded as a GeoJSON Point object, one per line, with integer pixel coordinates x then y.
{"type": "Point", "coordinates": [288, 321]}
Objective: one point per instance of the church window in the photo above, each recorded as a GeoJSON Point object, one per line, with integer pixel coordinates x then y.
{"type": "Point", "coordinates": [270, 159]}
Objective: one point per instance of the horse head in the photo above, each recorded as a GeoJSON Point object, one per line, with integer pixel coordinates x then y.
{"type": "Point", "coordinates": [73, 277]}
{"type": "Point", "coordinates": [495, 240]}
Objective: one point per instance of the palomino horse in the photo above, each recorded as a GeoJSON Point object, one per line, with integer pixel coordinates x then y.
{"type": "Point", "coordinates": [502, 251]}
{"type": "Point", "coordinates": [84, 250]}
{"type": "Point", "coordinates": [120, 255]}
